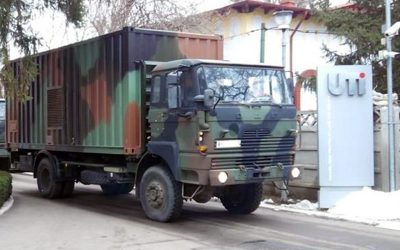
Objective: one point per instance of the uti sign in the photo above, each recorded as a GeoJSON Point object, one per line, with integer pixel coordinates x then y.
{"type": "Point", "coordinates": [345, 131]}
{"type": "Point", "coordinates": [352, 83]}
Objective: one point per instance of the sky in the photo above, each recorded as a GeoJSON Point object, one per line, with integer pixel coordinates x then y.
{"type": "Point", "coordinates": [51, 28]}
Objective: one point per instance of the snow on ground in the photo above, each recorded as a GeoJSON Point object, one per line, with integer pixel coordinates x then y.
{"type": "Point", "coordinates": [7, 205]}
{"type": "Point", "coordinates": [366, 206]}
{"type": "Point", "coordinates": [370, 204]}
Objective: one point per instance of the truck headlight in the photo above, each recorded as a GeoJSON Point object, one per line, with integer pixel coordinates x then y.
{"type": "Point", "coordinates": [295, 173]}
{"type": "Point", "coordinates": [222, 177]}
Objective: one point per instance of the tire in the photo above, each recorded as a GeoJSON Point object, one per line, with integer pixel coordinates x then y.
{"type": "Point", "coordinates": [4, 163]}
{"type": "Point", "coordinates": [116, 189]}
{"type": "Point", "coordinates": [68, 189]}
{"type": "Point", "coordinates": [242, 199]}
{"type": "Point", "coordinates": [47, 186]}
{"type": "Point", "coordinates": [160, 195]}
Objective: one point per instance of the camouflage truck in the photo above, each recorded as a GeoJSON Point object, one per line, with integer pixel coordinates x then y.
{"type": "Point", "coordinates": [4, 156]}
{"type": "Point", "coordinates": [158, 111]}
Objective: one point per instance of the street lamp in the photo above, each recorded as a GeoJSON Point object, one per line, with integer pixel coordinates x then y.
{"type": "Point", "coordinates": [283, 18]}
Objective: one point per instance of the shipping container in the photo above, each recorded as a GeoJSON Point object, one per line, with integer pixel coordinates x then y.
{"type": "Point", "coordinates": [89, 97]}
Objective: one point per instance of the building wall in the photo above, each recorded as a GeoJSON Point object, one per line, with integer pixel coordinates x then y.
{"type": "Point", "coordinates": [242, 39]}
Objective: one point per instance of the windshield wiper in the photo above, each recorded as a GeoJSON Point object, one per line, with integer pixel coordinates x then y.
{"type": "Point", "coordinates": [216, 103]}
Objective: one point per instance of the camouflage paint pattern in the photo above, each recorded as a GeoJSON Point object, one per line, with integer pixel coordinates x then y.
{"type": "Point", "coordinates": [267, 134]}
{"type": "Point", "coordinates": [90, 96]}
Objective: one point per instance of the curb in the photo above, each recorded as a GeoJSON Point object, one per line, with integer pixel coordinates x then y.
{"type": "Point", "coordinates": [7, 205]}
{"type": "Point", "coordinates": [317, 213]}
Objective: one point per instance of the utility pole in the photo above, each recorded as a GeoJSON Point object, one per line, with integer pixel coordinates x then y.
{"type": "Point", "coordinates": [284, 48]}
{"type": "Point", "coordinates": [262, 43]}
{"type": "Point", "coordinates": [390, 97]}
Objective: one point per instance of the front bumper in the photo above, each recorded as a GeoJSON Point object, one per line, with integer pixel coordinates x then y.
{"type": "Point", "coordinates": [249, 175]}
{"type": "Point", "coordinates": [204, 170]}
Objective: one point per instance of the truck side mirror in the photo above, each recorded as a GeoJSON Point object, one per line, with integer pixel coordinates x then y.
{"type": "Point", "coordinates": [199, 99]}
{"type": "Point", "coordinates": [174, 93]}
{"type": "Point", "coordinates": [209, 98]}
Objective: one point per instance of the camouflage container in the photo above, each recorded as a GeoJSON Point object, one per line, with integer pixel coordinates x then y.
{"type": "Point", "coordinates": [91, 96]}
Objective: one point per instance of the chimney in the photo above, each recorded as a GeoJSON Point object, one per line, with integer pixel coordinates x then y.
{"type": "Point", "coordinates": [288, 3]}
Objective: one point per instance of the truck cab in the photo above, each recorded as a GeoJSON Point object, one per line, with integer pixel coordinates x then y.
{"type": "Point", "coordinates": [223, 128]}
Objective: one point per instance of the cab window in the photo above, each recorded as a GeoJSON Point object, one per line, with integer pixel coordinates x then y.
{"type": "Point", "coordinates": [156, 90]}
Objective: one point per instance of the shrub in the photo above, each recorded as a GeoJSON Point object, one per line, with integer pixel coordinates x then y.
{"type": "Point", "coordinates": [5, 186]}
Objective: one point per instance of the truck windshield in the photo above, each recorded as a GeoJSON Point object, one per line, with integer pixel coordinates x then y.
{"type": "Point", "coordinates": [245, 84]}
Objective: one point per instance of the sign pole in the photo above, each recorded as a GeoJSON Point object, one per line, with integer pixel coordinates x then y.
{"type": "Point", "coordinates": [390, 99]}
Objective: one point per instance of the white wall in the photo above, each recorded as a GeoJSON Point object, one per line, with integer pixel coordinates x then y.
{"type": "Point", "coordinates": [242, 37]}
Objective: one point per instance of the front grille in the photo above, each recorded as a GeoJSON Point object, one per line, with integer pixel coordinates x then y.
{"type": "Point", "coordinates": [252, 161]}
{"type": "Point", "coordinates": [268, 144]}
{"type": "Point", "coordinates": [256, 133]}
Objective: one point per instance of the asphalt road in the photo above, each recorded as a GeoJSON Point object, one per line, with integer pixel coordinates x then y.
{"type": "Point", "coordinates": [90, 220]}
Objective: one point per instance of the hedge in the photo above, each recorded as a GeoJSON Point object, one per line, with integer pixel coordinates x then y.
{"type": "Point", "coordinates": [5, 187]}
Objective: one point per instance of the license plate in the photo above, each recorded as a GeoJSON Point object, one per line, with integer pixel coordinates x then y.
{"type": "Point", "coordinates": [228, 144]}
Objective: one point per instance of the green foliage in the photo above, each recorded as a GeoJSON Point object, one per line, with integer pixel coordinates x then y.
{"type": "Point", "coordinates": [309, 83]}
{"type": "Point", "coordinates": [5, 186]}
{"type": "Point", "coordinates": [360, 29]}
{"type": "Point", "coordinates": [14, 28]}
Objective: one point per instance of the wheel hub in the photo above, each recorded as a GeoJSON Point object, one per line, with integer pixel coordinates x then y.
{"type": "Point", "coordinates": [155, 194]}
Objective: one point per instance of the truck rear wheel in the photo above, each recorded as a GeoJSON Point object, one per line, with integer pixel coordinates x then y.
{"type": "Point", "coordinates": [4, 163]}
{"type": "Point", "coordinates": [117, 188]}
{"type": "Point", "coordinates": [47, 186]}
{"type": "Point", "coordinates": [160, 195]}
{"type": "Point", "coordinates": [242, 199]}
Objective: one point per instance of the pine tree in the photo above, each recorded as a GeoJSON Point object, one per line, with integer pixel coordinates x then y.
{"type": "Point", "coordinates": [14, 19]}
{"type": "Point", "coordinates": [360, 29]}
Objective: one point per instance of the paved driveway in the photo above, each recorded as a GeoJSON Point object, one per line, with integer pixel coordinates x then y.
{"type": "Point", "coordinates": [90, 220]}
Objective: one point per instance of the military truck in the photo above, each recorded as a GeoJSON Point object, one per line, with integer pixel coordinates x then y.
{"type": "Point", "coordinates": [158, 111]}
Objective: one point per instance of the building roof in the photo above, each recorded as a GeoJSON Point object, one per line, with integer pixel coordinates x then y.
{"type": "Point", "coordinates": [352, 7]}
{"type": "Point", "coordinates": [247, 6]}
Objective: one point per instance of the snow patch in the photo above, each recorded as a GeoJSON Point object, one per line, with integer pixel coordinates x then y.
{"type": "Point", "coordinates": [305, 205]}
{"type": "Point", "coordinates": [369, 204]}
{"type": "Point", "coordinates": [393, 225]}
{"type": "Point", "coordinates": [7, 205]}
{"type": "Point", "coordinates": [366, 206]}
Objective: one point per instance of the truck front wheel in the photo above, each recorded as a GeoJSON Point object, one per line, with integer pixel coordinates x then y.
{"type": "Point", "coordinates": [160, 195]}
{"type": "Point", "coordinates": [242, 199]}
{"type": "Point", "coordinates": [47, 186]}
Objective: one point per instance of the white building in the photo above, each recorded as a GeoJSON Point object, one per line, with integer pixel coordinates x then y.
{"type": "Point", "coordinates": [240, 25]}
